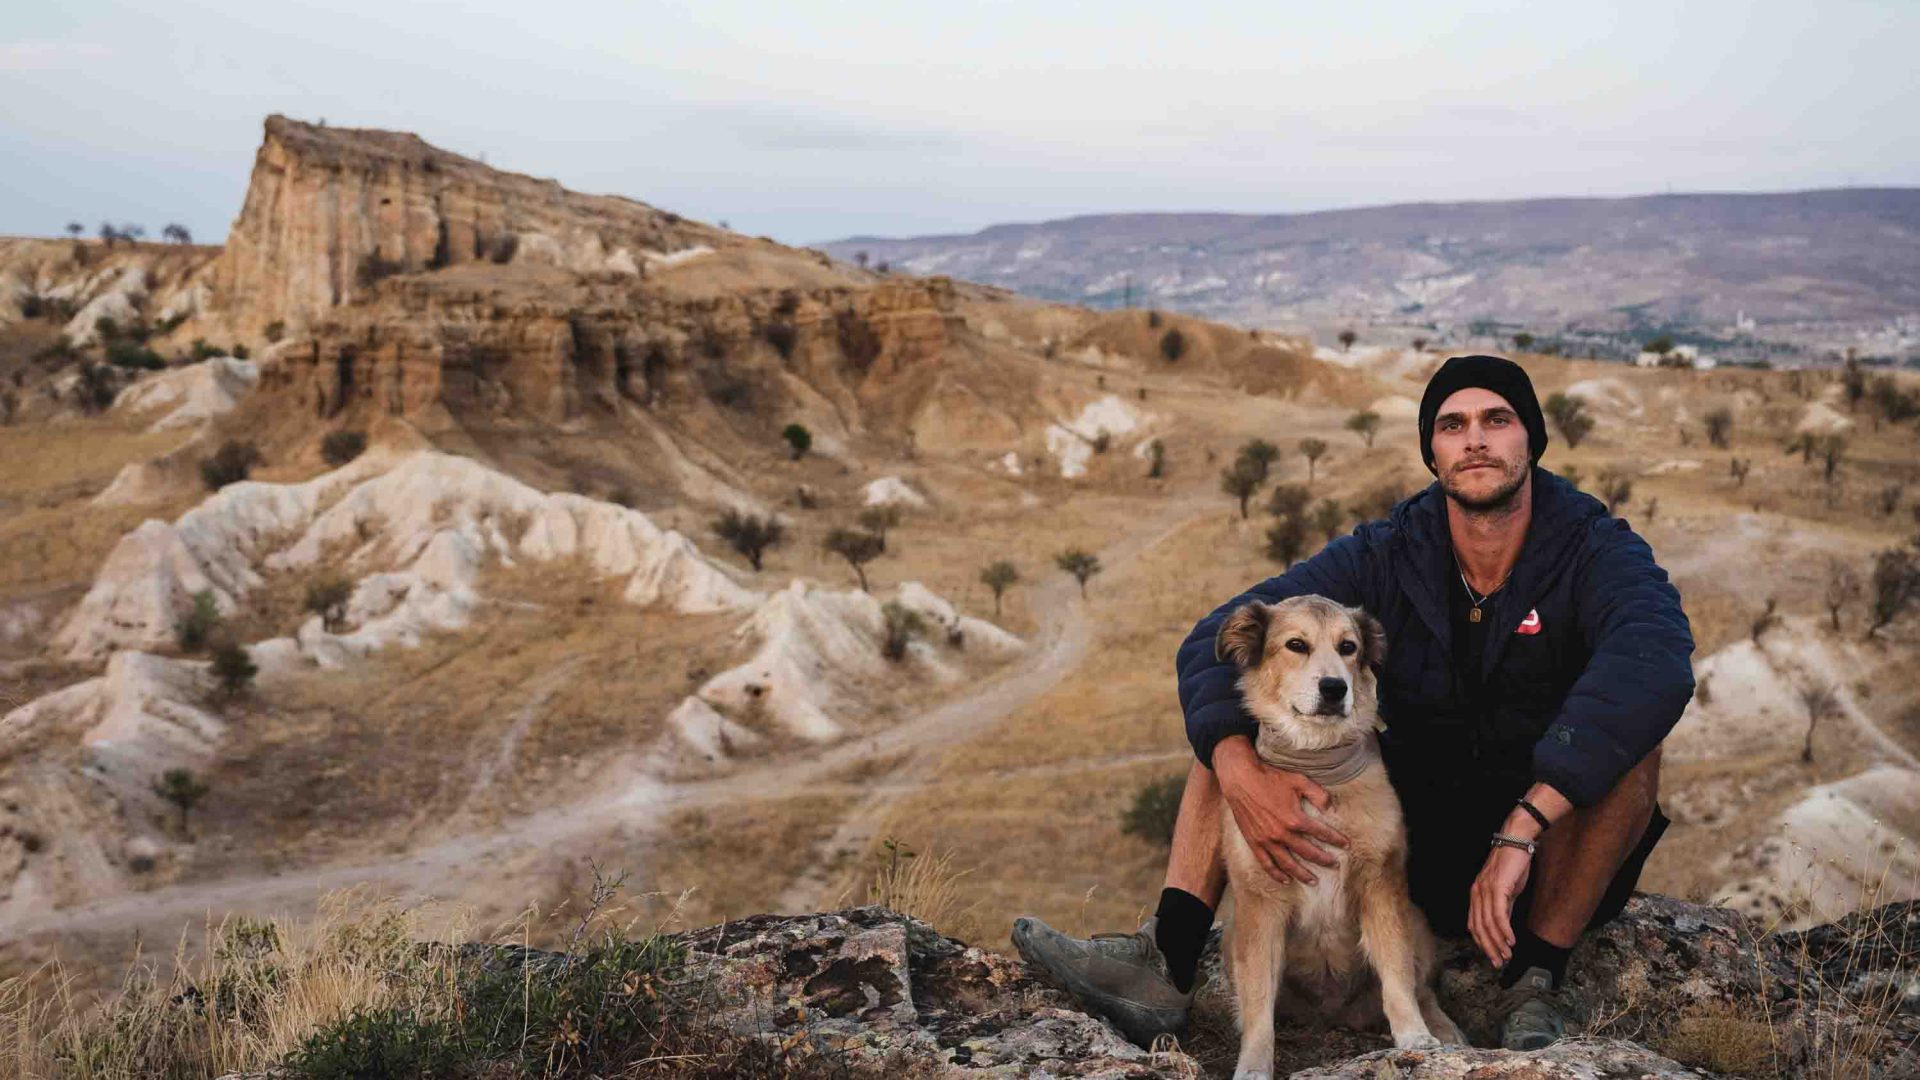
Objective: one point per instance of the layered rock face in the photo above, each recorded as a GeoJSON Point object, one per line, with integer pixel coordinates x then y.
{"type": "Point", "coordinates": [330, 211]}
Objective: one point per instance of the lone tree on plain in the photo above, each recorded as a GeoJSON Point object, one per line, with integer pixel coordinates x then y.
{"type": "Point", "coordinates": [1843, 588]}
{"type": "Point", "coordinates": [1616, 488]}
{"type": "Point", "coordinates": [234, 668]}
{"type": "Point", "coordinates": [1328, 517]}
{"type": "Point", "coordinates": [328, 599]}
{"type": "Point", "coordinates": [1366, 424]}
{"type": "Point", "coordinates": [1241, 480]}
{"type": "Point", "coordinates": [1173, 344]}
{"type": "Point", "coordinates": [1895, 586]}
{"type": "Point", "coordinates": [74, 229]}
{"type": "Point", "coordinates": [858, 547]}
{"type": "Point", "coordinates": [176, 233]}
{"type": "Point", "coordinates": [1347, 338]}
{"type": "Point", "coordinates": [1719, 426]}
{"type": "Point", "coordinates": [1570, 416]}
{"type": "Point", "coordinates": [1821, 702]}
{"type": "Point", "coordinates": [799, 440]}
{"type": "Point", "coordinates": [878, 519]}
{"type": "Point", "coordinates": [183, 789]}
{"type": "Point", "coordinates": [1082, 565]}
{"type": "Point", "coordinates": [999, 576]}
{"type": "Point", "coordinates": [749, 534]}
{"type": "Point", "coordinates": [1312, 449]}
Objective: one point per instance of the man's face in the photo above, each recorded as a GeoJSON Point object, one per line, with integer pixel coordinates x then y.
{"type": "Point", "coordinates": [1480, 449]}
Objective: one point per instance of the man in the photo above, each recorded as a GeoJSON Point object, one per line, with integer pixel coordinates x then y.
{"type": "Point", "coordinates": [1536, 658]}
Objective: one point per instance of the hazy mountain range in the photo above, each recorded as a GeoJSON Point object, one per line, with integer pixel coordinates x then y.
{"type": "Point", "coordinates": [1803, 273]}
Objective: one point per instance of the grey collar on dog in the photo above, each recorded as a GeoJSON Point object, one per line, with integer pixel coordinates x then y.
{"type": "Point", "coordinates": [1334, 765]}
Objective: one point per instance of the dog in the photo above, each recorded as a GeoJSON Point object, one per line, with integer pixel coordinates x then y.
{"type": "Point", "coordinates": [1352, 943]}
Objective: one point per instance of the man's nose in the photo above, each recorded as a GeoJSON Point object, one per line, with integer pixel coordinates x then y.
{"type": "Point", "coordinates": [1333, 689]}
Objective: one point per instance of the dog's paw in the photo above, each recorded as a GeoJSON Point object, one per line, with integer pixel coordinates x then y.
{"type": "Point", "coordinates": [1410, 1041]}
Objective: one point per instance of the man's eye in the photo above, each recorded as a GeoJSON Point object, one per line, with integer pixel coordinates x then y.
{"type": "Point", "coordinates": [1450, 425]}
{"type": "Point", "coordinates": [1348, 648]}
{"type": "Point", "coordinates": [1296, 645]}
{"type": "Point", "coordinates": [1498, 421]}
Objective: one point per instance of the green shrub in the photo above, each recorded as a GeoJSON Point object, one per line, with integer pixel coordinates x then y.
{"type": "Point", "coordinates": [1173, 344]}
{"type": "Point", "coordinates": [196, 627]}
{"type": "Point", "coordinates": [230, 464]}
{"type": "Point", "coordinates": [388, 1042]}
{"type": "Point", "coordinates": [239, 352]}
{"type": "Point", "coordinates": [126, 354]}
{"type": "Point", "coordinates": [328, 599]}
{"type": "Point", "coordinates": [340, 447]}
{"type": "Point", "coordinates": [234, 667]}
{"type": "Point", "coordinates": [799, 440]}
{"type": "Point", "coordinates": [903, 624]}
{"type": "Point", "coordinates": [1155, 807]}
{"type": "Point", "coordinates": [201, 350]}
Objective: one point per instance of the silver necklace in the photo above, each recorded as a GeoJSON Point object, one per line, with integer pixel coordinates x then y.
{"type": "Point", "coordinates": [1473, 614]}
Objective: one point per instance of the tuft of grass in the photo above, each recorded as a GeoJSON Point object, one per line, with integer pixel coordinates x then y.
{"type": "Point", "coordinates": [926, 887]}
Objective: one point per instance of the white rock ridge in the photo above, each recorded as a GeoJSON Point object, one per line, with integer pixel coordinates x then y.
{"type": "Point", "coordinates": [191, 395]}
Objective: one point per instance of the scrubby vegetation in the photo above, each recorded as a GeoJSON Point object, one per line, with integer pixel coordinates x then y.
{"type": "Point", "coordinates": [1154, 809]}
{"type": "Point", "coordinates": [999, 576]}
{"type": "Point", "coordinates": [1082, 565]}
{"type": "Point", "coordinates": [341, 447]}
{"type": "Point", "coordinates": [230, 464]}
{"type": "Point", "coordinates": [749, 534]}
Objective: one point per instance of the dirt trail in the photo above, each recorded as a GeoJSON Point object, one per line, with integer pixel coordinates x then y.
{"type": "Point", "coordinates": [637, 801]}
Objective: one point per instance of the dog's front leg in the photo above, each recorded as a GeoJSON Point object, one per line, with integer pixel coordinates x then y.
{"type": "Point", "coordinates": [1387, 936]}
{"type": "Point", "coordinates": [1256, 951]}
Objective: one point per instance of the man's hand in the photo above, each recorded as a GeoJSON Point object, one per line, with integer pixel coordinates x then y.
{"type": "Point", "coordinates": [1266, 805]}
{"type": "Point", "coordinates": [1490, 909]}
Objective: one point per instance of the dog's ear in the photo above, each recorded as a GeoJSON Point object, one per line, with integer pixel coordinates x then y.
{"type": "Point", "coordinates": [1243, 637]}
{"type": "Point", "coordinates": [1373, 638]}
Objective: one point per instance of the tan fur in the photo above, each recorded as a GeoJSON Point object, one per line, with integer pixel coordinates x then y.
{"type": "Point", "coordinates": [1352, 945]}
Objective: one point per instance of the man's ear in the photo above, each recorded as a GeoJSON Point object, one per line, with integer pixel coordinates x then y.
{"type": "Point", "coordinates": [1373, 638]}
{"type": "Point", "coordinates": [1243, 637]}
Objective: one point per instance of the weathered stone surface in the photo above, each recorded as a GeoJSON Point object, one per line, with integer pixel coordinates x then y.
{"type": "Point", "coordinates": [1572, 1059]}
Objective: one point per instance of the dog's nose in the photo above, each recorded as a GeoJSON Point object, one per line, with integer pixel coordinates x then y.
{"type": "Point", "coordinates": [1333, 689]}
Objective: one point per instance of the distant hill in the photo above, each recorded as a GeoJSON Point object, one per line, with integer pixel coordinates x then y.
{"type": "Point", "coordinates": [1803, 271]}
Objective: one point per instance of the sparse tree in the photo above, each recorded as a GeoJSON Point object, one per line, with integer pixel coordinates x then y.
{"type": "Point", "coordinates": [1241, 480]}
{"type": "Point", "coordinates": [799, 440]}
{"type": "Point", "coordinates": [340, 447]}
{"type": "Point", "coordinates": [1365, 423]}
{"type": "Point", "coordinates": [1616, 488]}
{"type": "Point", "coordinates": [1173, 344]}
{"type": "Point", "coordinates": [183, 789]}
{"type": "Point", "coordinates": [861, 258]}
{"type": "Point", "coordinates": [230, 464]}
{"type": "Point", "coordinates": [176, 233]}
{"type": "Point", "coordinates": [328, 599]}
{"type": "Point", "coordinates": [1843, 588]}
{"type": "Point", "coordinates": [1895, 586]}
{"type": "Point", "coordinates": [1570, 415]}
{"type": "Point", "coordinates": [1288, 500]}
{"type": "Point", "coordinates": [858, 547]}
{"type": "Point", "coordinates": [1740, 467]}
{"type": "Point", "coordinates": [1312, 450]}
{"type": "Point", "coordinates": [878, 519]}
{"type": "Point", "coordinates": [1328, 517]}
{"type": "Point", "coordinates": [233, 666]}
{"type": "Point", "coordinates": [1347, 338]}
{"type": "Point", "coordinates": [1768, 618]}
{"type": "Point", "coordinates": [999, 576]}
{"type": "Point", "coordinates": [1286, 540]}
{"type": "Point", "coordinates": [1719, 424]}
{"type": "Point", "coordinates": [1081, 564]}
{"type": "Point", "coordinates": [74, 229]}
{"type": "Point", "coordinates": [903, 624]}
{"type": "Point", "coordinates": [194, 629]}
{"type": "Point", "coordinates": [1156, 459]}
{"type": "Point", "coordinates": [1660, 346]}
{"type": "Point", "coordinates": [749, 534]}
{"type": "Point", "coordinates": [1261, 453]}
{"type": "Point", "coordinates": [1821, 702]}
{"type": "Point", "coordinates": [1419, 344]}
{"type": "Point", "coordinates": [1832, 449]}
{"type": "Point", "coordinates": [1522, 341]}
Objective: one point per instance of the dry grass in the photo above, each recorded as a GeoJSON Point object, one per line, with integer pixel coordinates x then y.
{"type": "Point", "coordinates": [733, 861]}
{"type": "Point", "coordinates": [923, 885]}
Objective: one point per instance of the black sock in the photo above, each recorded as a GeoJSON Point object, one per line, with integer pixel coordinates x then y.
{"type": "Point", "coordinates": [1184, 920]}
{"type": "Point", "coordinates": [1531, 951]}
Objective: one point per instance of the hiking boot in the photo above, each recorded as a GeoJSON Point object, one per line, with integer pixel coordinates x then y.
{"type": "Point", "coordinates": [1122, 977]}
{"type": "Point", "coordinates": [1536, 1013]}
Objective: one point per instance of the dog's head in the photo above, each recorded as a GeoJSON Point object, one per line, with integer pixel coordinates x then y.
{"type": "Point", "coordinates": [1308, 667]}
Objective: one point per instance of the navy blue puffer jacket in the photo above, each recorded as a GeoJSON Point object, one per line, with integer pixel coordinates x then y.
{"type": "Point", "coordinates": [1575, 705]}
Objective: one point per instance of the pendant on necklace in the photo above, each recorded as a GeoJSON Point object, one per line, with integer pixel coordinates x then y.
{"type": "Point", "coordinates": [1473, 614]}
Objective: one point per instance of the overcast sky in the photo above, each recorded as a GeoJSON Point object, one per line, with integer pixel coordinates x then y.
{"type": "Point", "coordinates": [810, 121]}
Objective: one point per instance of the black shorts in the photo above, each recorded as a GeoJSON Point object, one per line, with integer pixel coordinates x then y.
{"type": "Point", "coordinates": [1448, 847]}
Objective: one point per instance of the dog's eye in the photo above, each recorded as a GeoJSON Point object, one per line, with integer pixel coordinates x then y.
{"type": "Point", "coordinates": [1348, 648]}
{"type": "Point", "coordinates": [1296, 645]}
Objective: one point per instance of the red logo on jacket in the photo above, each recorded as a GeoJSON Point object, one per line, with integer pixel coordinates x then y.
{"type": "Point", "coordinates": [1530, 624]}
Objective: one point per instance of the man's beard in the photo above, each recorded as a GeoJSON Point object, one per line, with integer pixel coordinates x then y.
{"type": "Point", "coordinates": [1495, 502]}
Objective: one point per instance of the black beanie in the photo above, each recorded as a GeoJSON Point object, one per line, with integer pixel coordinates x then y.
{"type": "Point", "coordinates": [1503, 377]}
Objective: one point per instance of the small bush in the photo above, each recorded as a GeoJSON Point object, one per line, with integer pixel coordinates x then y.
{"type": "Point", "coordinates": [230, 464]}
{"type": "Point", "coordinates": [1102, 440]}
{"type": "Point", "coordinates": [194, 629]}
{"type": "Point", "coordinates": [328, 599]}
{"type": "Point", "coordinates": [1173, 344]}
{"type": "Point", "coordinates": [1156, 806]}
{"type": "Point", "coordinates": [501, 250]}
{"type": "Point", "coordinates": [858, 547]}
{"type": "Point", "coordinates": [799, 440]}
{"type": "Point", "coordinates": [341, 447]}
{"type": "Point", "coordinates": [1081, 564]}
{"type": "Point", "coordinates": [1288, 500]}
{"type": "Point", "coordinates": [1719, 426]}
{"type": "Point", "coordinates": [749, 534]}
{"type": "Point", "coordinates": [239, 352]}
{"type": "Point", "coordinates": [1366, 424]}
{"type": "Point", "coordinates": [999, 576]}
{"type": "Point", "coordinates": [1156, 456]}
{"type": "Point", "coordinates": [1616, 488]}
{"type": "Point", "coordinates": [1286, 540]}
{"type": "Point", "coordinates": [388, 1042]}
{"type": "Point", "coordinates": [97, 387]}
{"type": "Point", "coordinates": [125, 354]}
{"type": "Point", "coordinates": [903, 624]}
{"type": "Point", "coordinates": [275, 331]}
{"type": "Point", "coordinates": [1347, 338]}
{"type": "Point", "coordinates": [1570, 415]}
{"type": "Point", "coordinates": [782, 335]}
{"type": "Point", "coordinates": [183, 789]}
{"type": "Point", "coordinates": [233, 666]}
{"type": "Point", "coordinates": [201, 350]}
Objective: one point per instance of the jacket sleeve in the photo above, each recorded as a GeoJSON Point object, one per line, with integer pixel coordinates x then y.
{"type": "Point", "coordinates": [1638, 680]}
{"type": "Point", "coordinates": [1209, 686]}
